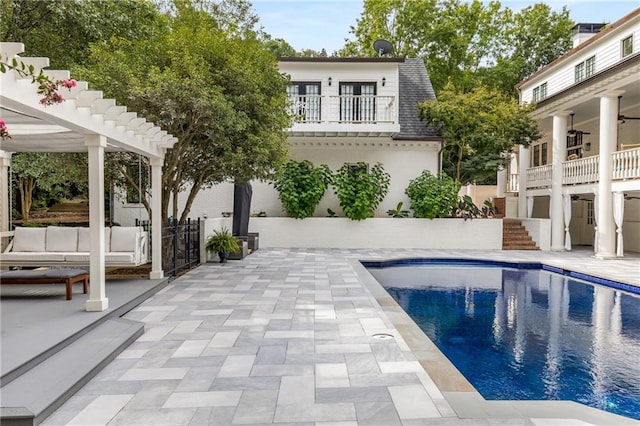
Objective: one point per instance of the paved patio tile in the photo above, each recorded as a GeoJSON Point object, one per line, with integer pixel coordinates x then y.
{"type": "Point", "coordinates": [283, 336]}
{"type": "Point", "coordinates": [315, 413]}
{"type": "Point", "coordinates": [203, 399]}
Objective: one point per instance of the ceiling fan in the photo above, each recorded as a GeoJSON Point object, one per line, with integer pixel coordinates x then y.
{"type": "Point", "coordinates": [622, 118]}
{"type": "Point", "coordinates": [575, 132]}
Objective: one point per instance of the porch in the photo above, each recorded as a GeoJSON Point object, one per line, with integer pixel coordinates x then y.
{"type": "Point", "coordinates": [582, 171]}
{"type": "Point", "coordinates": [51, 346]}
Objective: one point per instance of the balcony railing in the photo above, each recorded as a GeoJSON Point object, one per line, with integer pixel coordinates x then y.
{"type": "Point", "coordinates": [626, 165]}
{"type": "Point", "coordinates": [582, 170]}
{"type": "Point", "coordinates": [350, 109]}
{"type": "Point", "coordinates": [539, 177]}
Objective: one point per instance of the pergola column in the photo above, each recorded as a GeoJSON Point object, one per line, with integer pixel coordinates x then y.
{"type": "Point", "coordinates": [606, 248]}
{"type": "Point", "coordinates": [524, 160]}
{"type": "Point", "coordinates": [556, 212]}
{"type": "Point", "coordinates": [98, 301]}
{"type": "Point", "coordinates": [5, 208]}
{"type": "Point", "coordinates": [156, 218]}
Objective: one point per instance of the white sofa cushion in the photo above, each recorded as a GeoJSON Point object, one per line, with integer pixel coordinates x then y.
{"type": "Point", "coordinates": [123, 238]}
{"type": "Point", "coordinates": [111, 257]}
{"type": "Point", "coordinates": [29, 239]}
{"type": "Point", "coordinates": [33, 256]}
{"type": "Point", "coordinates": [61, 238]}
{"type": "Point", "coordinates": [84, 242]}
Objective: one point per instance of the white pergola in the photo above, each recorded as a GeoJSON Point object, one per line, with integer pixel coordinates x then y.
{"type": "Point", "coordinates": [84, 122]}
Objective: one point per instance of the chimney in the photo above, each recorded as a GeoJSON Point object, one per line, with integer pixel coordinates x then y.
{"type": "Point", "coordinates": [583, 32]}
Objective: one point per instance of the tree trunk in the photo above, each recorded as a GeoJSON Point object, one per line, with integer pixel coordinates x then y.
{"type": "Point", "coordinates": [26, 187]}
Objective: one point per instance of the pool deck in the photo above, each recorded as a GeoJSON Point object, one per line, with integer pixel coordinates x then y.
{"type": "Point", "coordinates": [305, 337]}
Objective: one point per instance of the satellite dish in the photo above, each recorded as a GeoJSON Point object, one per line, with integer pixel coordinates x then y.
{"type": "Point", "coordinates": [383, 47]}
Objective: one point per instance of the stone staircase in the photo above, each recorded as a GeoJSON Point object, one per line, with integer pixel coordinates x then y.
{"type": "Point", "coordinates": [516, 237]}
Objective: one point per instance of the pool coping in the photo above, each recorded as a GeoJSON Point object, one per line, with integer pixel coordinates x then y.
{"type": "Point", "coordinates": [462, 397]}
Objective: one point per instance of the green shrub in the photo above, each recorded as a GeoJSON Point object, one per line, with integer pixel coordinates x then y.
{"type": "Point", "coordinates": [301, 186]}
{"type": "Point", "coordinates": [360, 191]}
{"type": "Point", "coordinates": [432, 196]}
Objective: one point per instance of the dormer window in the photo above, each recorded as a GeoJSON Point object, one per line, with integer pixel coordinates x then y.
{"type": "Point", "coordinates": [627, 46]}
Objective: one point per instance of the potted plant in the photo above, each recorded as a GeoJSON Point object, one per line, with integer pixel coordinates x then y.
{"type": "Point", "coordinates": [223, 243]}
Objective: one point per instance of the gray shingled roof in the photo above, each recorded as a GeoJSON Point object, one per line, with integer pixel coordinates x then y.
{"type": "Point", "coordinates": [415, 88]}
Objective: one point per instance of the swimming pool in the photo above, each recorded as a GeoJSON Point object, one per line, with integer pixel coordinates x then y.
{"type": "Point", "coordinates": [527, 334]}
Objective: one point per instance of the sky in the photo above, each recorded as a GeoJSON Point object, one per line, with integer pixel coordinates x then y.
{"type": "Point", "coordinates": [317, 24]}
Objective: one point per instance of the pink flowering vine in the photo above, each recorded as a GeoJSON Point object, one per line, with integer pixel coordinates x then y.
{"type": "Point", "coordinates": [4, 132]}
{"type": "Point", "coordinates": [47, 88]}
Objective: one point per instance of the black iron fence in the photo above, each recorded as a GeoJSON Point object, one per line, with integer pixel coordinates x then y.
{"type": "Point", "coordinates": [180, 245]}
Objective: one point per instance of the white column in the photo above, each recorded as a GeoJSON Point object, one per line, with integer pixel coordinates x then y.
{"type": "Point", "coordinates": [530, 201]}
{"type": "Point", "coordinates": [502, 182]}
{"type": "Point", "coordinates": [156, 218]}
{"type": "Point", "coordinates": [5, 187]}
{"type": "Point", "coordinates": [608, 140]}
{"type": "Point", "coordinates": [566, 200]}
{"type": "Point", "coordinates": [97, 295]}
{"type": "Point", "coordinates": [618, 218]}
{"type": "Point", "coordinates": [559, 154]}
{"type": "Point", "coordinates": [523, 165]}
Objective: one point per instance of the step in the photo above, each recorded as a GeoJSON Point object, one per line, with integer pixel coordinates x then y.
{"type": "Point", "coordinates": [33, 396]}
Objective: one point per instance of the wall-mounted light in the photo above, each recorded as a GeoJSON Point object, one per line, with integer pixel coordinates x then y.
{"type": "Point", "coordinates": [384, 81]}
{"type": "Point", "coordinates": [329, 81]}
{"type": "Point", "coordinates": [587, 146]}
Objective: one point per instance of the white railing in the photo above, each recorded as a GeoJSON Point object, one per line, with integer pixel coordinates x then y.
{"type": "Point", "coordinates": [306, 108]}
{"type": "Point", "coordinates": [582, 170]}
{"type": "Point", "coordinates": [513, 184]}
{"type": "Point", "coordinates": [343, 109]}
{"type": "Point", "coordinates": [626, 164]}
{"type": "Point", "coordinates": [539, 177]}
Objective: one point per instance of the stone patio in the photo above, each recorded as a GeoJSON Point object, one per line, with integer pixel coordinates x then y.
{"type": "Point", "coordinates": [299, 337]}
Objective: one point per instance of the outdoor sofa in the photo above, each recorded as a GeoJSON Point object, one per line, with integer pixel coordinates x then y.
{"type": "Point", "coordinates": [69, 246]}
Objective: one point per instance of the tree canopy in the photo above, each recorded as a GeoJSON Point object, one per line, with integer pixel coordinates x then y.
{"type": "Point", "coordinates": [477, 127]}
{"type": "Point", "coordinates": [467, 42]}
{"type": "Point", "coordinates": [209, 81]}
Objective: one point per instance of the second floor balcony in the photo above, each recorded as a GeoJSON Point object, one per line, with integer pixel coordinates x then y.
{"type": "Point", "coordinates": [344, 115]}
{"type": "Point", "coordinates": [583, 171]}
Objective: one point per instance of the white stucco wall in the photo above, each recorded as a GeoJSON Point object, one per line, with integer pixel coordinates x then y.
{"type": "Point", "coordinates": [378, 233]}
{"type": "Point", "coordinates": [402, 161]}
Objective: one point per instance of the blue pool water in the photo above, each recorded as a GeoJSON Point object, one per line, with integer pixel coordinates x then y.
{"type": "Point", "coordinates": [527, 334]}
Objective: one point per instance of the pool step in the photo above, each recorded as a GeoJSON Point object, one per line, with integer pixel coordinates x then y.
{"type": "Point", "coordinates": [516, 237]}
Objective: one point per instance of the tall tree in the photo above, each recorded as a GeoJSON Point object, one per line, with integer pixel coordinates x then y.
{"type": "Point", "coordinates": [217, 90]}
{"type": "Point", "coordinates": [467, 42]}
{"type": "Point", "coordinates": [477, 127]}
{"type": "Point", "coordinates": [532, 38]}
{"type": "Point", "coordinates": [52, 174]}
{"type": "Point", "coordinates": [63, 30]}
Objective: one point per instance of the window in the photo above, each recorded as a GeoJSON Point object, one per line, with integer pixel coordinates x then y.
{"type": "Point", "coordinates": [590, 213]}
{"type": "Point", "coordinates": [543, 153]}
{"type": "Point", "coordinates": [540, 92]}
{"type": "Point", "coordinates": [358, 102]}
{"type": "Point", "coordinates": [304, 101]}
{"type": "Point", "coordinates": [590, 66]}
{"type": "Point", "coordinates": [539, 154]}
{"type": "Point", "coordinates": [585, 69]}
{"type": "Point", "coordinates": [627, 46]}
{"type": "Point", "coordinates": [579, 72]}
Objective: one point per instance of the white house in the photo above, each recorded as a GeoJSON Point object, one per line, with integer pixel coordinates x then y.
{"type": "Point", "coordinates": [584, 173]}
{"type": "Point", "coordinates": [347, 110]}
